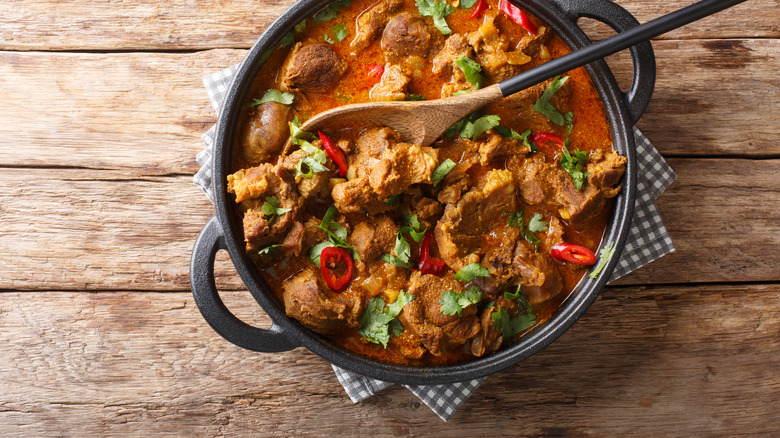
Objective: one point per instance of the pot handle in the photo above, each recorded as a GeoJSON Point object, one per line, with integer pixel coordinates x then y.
{"type": "Point", "coordinates": [642, 55]}
{"type": "Point", "coordinates": [204, 289]}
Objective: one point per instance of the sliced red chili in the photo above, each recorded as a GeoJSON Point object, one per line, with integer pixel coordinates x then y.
{"type": "Point", "coordinates": [547, 142]}
{"type": "Point", "coordinates": [479, 8]}
{"type": "Point", "coordinates": [517, 15]}
{"type": "Point", "coordinates": [427, 263]}
{"type": "Point", "coordinates": [336, 264]}
{"type": "Point", "coordinates": [335, 154]}
{"type": "Point", "coordinates": [569, 252]}
{"type": "Point", "coordinates": [375, 72]}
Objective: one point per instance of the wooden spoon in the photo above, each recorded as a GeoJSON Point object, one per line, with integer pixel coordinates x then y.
{"type": "Point", "coordinates": [425, 121]}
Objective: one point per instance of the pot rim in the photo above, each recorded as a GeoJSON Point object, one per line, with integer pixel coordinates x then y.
{"type": "Point", "coordinates": [573, 307]}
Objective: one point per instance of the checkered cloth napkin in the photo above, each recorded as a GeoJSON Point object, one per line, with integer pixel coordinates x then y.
{"type": "Point", "coordinates": [647, 240]}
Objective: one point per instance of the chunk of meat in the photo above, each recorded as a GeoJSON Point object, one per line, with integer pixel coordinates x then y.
{"type": "Point", "coordinates": [496, 146]}
{"type": "Point", "coordinates": [312, 67]}
{"type": "Point", "coordinates": [405, 35]}
{"type": "Point", "coordinates": [371, 22]}
{"type": "Point", "coordinates": [461, 232]}
{"type": "Point", "coordinates": [456, 46]}
{"type": "Point", "coordinates": [530, 44]}
{"type": "Point", "coordinates": [437, 332]}
{"type": "Point", "coordinates": [427, 210]}
{"type": "Point", "coordinates": [357, 195]}
{"type": "Point", "coordinates": [252, 186]}
{"type": "Point", "coordinates": [373, 239]}
{"type": "Point", "coordinates": [370, 145]}
{"type": "Point", "coordinates": [547, 184]}
{"type": "Point", "coordinates": [489, 339]}
{"type": "Point", "coordinates": [605, 171]}
{"type": "Point", "coordinates": [400, 166]}
{"type": "Point", "coordinates": [265, 132]}
{"type": "Point", "coordinates": [538, 273]}
{"type": "Point", "coordinates": [305, 300]}
{"type": "Point", "coordinates": [492, 51]}
{"type": "Point", "coordinates": [392, 85]}
{"type": "Point", "coordinates": [303, 236]}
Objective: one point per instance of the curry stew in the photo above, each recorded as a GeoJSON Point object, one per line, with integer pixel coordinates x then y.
{"type": "Point", "coordinates": [411, 254]}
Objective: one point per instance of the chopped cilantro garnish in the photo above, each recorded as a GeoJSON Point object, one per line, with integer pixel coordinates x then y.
{"type": "Point", "coordinates": [470, 271]}
{"type": "Point", "coordinates": [537, 225]}
{"type": "Point", "coordinates": [271, 207]}
{"type": "Point", "coordinates": [300, 27]}
{"type": "Point", "coordinates": [519, 296]}
{"type": "Point", "coordinates": [509, 327]}
{"type": "Point", "coordinates": [569, 122]}
{"type": "Point", "coordinates": [436, 10]}
{"type": "Point", "coordinates": [337, 236]}
{"type": "Point", "coordinates": [414, 97]}
{"type": "Point", "coordinates": [313, 161]}
{"type": "Point", "coordinates": [402, 248]}
{"type": "Point", "coordinates": [452, 130]}
{"type": "Point", "coordinates": [444, 168]}
{"type": "Point", "coordinates": [287, 40]}
{"type": "Point", "coordinates": [517, 220]}
{"type": "Point", "coordinates": [268, 250]}
{"type": "Point", "coordinates": [297, 134]}
{"type": "Point", "coordinates": [331, 11]}
{"type": "Point", "coordinates": [393, 200]}
{"type": "Point", "coordinates": [452, 302]}
{"type": "Point", "coordinates": [273, 96]}
{"type": "Point", "coordinates": [327, 39]}
{"type": "Point", "coordinates": [466, 4]}
{"type": "Point", "coordinates": [471, 69]}
{"type": "Point", "coordinates": [574, 164]}
{"type": "Point", "coordinates": [543, 105]}
{"type": "Point", "coordinates": [379, 316]}
{"type": "Point", "coordinates": [473, 129]}
{"type": "Point", "coordinates": [339, 31]}
{"type": "Point", "coordinates": [605, 254]}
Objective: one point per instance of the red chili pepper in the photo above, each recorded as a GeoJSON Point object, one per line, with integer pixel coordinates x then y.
{"type": "Point", "coordinates": [517, 15]}
{"type": "Point", "coordinates": [336, 154]}
{"type": "Point", "coordinates": [569, 252]}
{"type": "Point", "coordinates": [547, 141]}
{"type": "Point", "coordinates": [427, 263]}
{"type": "Point", "coordinates": [479, 8]}
{"type": "Point", "coordinates": [331, 258]}
{"type": "Point", "coordinates": [375, 72]}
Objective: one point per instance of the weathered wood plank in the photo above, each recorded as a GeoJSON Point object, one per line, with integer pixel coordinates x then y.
{"type": "Point", "coordinates": [144, 113]}
{"type": "Point", "coordinates": [202, 24]}
{"type": "Point", "coordinates": [72, 229]}
{"type": "Point", "coordinates": [667, 361]}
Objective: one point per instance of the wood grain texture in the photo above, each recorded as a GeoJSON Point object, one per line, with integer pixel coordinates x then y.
{"type": "Point", "coordinates": [143, 114]}
{"type": "Point", "coordinates": [204, 24]}
{"type": "Point", "coordinates": [643, 361]}
{"type": "Point", "coordinates": [74, 229]}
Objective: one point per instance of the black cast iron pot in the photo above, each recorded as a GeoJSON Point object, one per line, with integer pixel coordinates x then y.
{"type": "Point", "coordinates": [224, 230]}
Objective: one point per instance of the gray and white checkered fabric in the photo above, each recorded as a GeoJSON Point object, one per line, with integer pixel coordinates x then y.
{"type": "Point", "coordinates": [647, 241]}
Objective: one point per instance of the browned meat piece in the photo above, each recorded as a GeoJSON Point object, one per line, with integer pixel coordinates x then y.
{"type": "Point", "coordinates": [392, 85]}
{"type": "Point", "coordinates": [373, 239]}
{"type": "Point", "coordinates": [438, 332]}
{"type": "Point", "coordinates": [489, 339]}
{"type": "Point", "coordinates": [303, 236]}
{"type": "Point", "coordinates": [313, 67]}
{"type": "Point", "coordinates": [265, 132]}
{"type": "Point", "coordinates": [318, 186]}
{"type": "Point", "coordinates": [497, 146]}
{"type": "Point", "coordinates": [371, 22]}
{"type": "Point", "coordinates": [530, 44]}
{"type": "Point", "coordinates": [426, 209]}
{"type": "Point", "coordinates": [371, 144]}
{"type": "Point", "coordinates": [605, 171]}
{"type": "Point", "coordinates": [455, 47]}
{"type": "Point", "coordinates": [543, 183]}
{"type": "Point", "coordinates": [251, 187]}
{"type": "Point", "coordinates": [405, 35]}
{"type": "Point", "coordinates": [462, 231]}
{"type": "Point", "coordinates": [305, 301]}
{"type": "Point", "coordinates": [400, 166]}
{"type": "Point", "coordinates": [492, 50]}
{"type": "Point", "coordinates": [356, 195]}
{"type": "Point", "coordinates": [538, 273]}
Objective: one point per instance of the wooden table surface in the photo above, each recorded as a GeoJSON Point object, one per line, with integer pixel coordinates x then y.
{"type": "Point", "coordinates": [100, 119]}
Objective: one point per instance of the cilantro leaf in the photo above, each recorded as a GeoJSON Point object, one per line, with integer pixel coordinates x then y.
{"type": "Point", "coordinates": [569, 122]}
{"type": "Point", "coordinates": [436, 10]}
{"type": "Point", "coordinates": [537, 225]}
{"type": "Point", "coordinates": [402, 248]}
{"type": "Point", "coordinates": [339, 31]}
{"type": "Point", "coordinates": [453, 302]}
{"type": "Point", "coordinates": [444, 168]}
{"type": "Point", "coordinates": [466, 4]}
{"type": "Point", "coordinates": [461, 123]}
{"type": "Point", "coordinates": [271, 207]}
{"type": "Point", "coordinates": [337, 236]}
{"type": "Point", "coordinates": [287, 40]}
{"type": "Point", "coordinates": [517, 220]}
{"type": "Point", "coordinates": [471, 69]}
{"type": "Point", "coordinates": [300, 27]}
{"type": "Point", "coordinates": [316, 251]}
{"type": "Point", "coordinates": [543, 105]}
{"type": "Point", "coordinates": [393, 200]}
{"type": "Point", "coordinates": [268, 250]}
{"type": "Point", "coordinates": [574, 165]}
{"type": "Point", "coordinates": [473, 129]}
{"type": "Point", "coordinates": [297, 134]}
{"type": "Point", "coordinates": [327, 39]}
{"type": "Point", "coordinates": [509, 327]}
{"type": "Point", "coordinates": [605, 254]}
{"type": "Point", "coordinates": [314, 160]}
{"type": "Point", "coordinates": [519, 296]}
{"type": "Point", "coordinates": [331, 11]}
{"type": "Point", "coordinates": [375, 325]}
{"type": "Point", "coordinates": [273, 96]}
{"type": "Point", "coordinates": [468, 272]}
{"type": "Point", "coordinates": [414, 97]}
